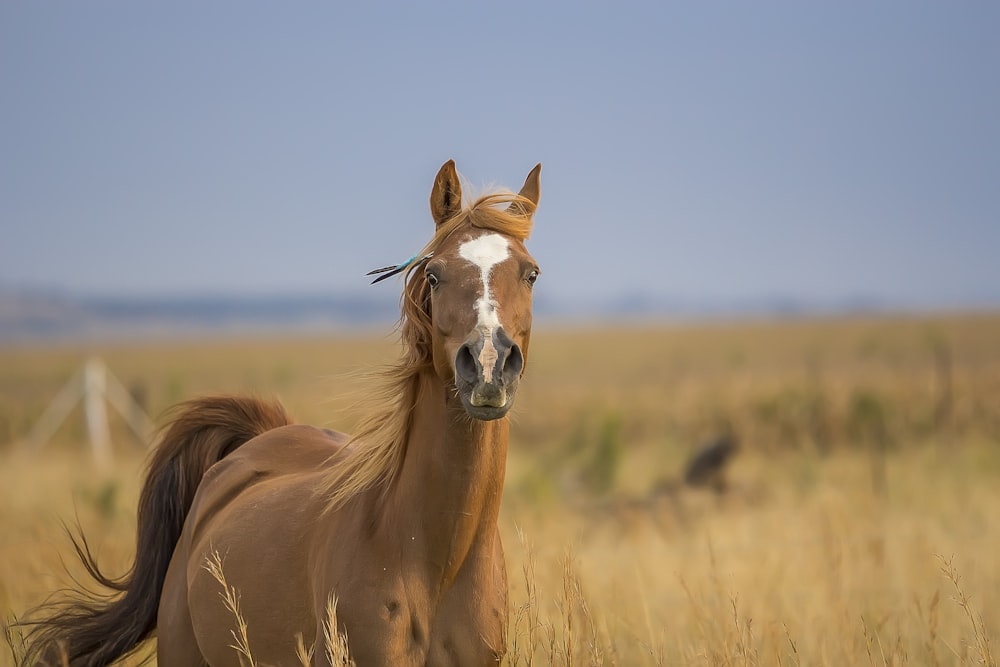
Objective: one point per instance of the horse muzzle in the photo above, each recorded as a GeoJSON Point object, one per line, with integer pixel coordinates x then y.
{"type": "Point", "coordinates": [487, 370]}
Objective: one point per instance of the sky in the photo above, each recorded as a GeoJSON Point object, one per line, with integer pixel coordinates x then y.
{"type": "Point", "coordinates": [701, 152]}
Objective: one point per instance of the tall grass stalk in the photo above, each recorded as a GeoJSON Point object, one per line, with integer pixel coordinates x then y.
{"type": "Point", "coordinates": [231, 599]}
{"type": "Point", "coordinates": [982, 638]}
{"type": "Point", "coordinates": [336, 648]}
{"type": "Point", "coordinates": [523, 632]}
{"type": "Point", "coordinates": [567, 609]}
{"type": "Point", "coordinates": [304, 655]}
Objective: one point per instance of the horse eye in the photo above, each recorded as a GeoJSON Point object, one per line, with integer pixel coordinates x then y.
{"type": "Point", "coordinates": [432, 280]}
{"type": "Point", "coordinates": [532, 277]}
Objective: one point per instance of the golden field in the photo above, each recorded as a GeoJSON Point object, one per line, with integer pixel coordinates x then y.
{"type": "Point", "coordinates": [860, 523]}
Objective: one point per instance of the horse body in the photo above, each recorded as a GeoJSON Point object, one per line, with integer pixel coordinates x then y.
{"type": "Point", "coordinates": [397, 524]}
{"type": "Point", "coordinates": [416, 567]}
{"type": "Point", "coordinates": [265, 560]}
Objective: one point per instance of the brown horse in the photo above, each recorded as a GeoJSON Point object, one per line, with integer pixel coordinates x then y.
{"type": "Point", "coordinates": [398, 523]}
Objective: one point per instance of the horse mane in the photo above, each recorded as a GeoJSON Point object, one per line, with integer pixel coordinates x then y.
{"type": "Point", "coordinates": [375, 454]}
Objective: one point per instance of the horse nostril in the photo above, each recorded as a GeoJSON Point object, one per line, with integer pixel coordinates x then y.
{"type": "Point", "coordinates": [465, 364]}
{"type": "Point", "coordinates": [513, 364]}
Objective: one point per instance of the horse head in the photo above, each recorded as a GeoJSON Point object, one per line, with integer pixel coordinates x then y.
{"type": "Point", "coordinates": [477, 291]}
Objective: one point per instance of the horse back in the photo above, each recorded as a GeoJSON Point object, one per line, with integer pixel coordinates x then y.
{"type": "Point", "coordinates": [282, 463]}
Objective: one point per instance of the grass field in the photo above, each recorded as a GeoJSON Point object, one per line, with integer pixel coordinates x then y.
{"type": "Point", "coordinates": [860, 525]}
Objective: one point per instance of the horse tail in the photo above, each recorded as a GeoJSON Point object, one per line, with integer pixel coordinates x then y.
{"type": "Point", "coordinates": [91, 629]}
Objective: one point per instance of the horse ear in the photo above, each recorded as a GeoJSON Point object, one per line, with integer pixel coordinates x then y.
{"type": "Point", "coordinates": [446, 196]}
{"type": "Point", "coordinates": [531, 191]}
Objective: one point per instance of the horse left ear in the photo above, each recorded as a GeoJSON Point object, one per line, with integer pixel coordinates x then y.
{"type": "Point", "coordinates": [530, 191]}
{"type": "Point", "coordinates": [446, 196]}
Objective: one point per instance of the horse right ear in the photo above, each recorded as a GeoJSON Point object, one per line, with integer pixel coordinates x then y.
{"type": "Point", "coordinates": [446, 196]}
{"type": "Point", "coordinates": [530, 192]}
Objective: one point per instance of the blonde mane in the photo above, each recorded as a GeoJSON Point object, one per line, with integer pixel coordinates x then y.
{"type": "Point", "coordinates": [374, 455]}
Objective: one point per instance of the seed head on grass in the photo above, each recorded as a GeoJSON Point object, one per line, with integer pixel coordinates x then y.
{"type": "Point", "coordinates": [950, 572]}
{"type": "Point", "coordinates": [304, 655]}
{"type": "Point", "coordinates": [231, 599]}
{"type": "Point", "coordinates": [336, 648]}
{"type": "Point", "coordinates": [870, 640]}
{"type": "Point", "coordinates": [791, 643]}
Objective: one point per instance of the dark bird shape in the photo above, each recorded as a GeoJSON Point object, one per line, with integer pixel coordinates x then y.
{"type": "Point", "coordinates": [707, 467]}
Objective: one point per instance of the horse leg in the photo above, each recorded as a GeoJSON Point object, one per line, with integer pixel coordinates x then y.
{"type": "Point", "coordinates": [176, 645]}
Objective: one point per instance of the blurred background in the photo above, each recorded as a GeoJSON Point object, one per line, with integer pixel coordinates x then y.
{"type": "Point", "coordinates": [765, 373]}
{"type": "Point", "coordinates": [696, 159]}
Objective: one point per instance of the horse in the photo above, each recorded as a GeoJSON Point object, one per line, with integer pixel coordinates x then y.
{"type": "Point", "coordinates": [396, 527]}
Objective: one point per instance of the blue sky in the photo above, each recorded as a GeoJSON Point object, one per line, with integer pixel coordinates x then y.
{"type": "Point", "coordinates": [706, 152]}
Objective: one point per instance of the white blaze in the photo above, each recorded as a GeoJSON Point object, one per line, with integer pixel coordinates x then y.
{"type": "Point", "coordinates": [486, 252]}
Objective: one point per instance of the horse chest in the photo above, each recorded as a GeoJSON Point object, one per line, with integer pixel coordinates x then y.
{"type": "Point", "coordinates": [405, 623]}
{"type": "Point", "coordinates": [468, 628]}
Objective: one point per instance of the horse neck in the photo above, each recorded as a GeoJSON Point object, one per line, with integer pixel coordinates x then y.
{"type": "Point", "coordinates": [449, 489]}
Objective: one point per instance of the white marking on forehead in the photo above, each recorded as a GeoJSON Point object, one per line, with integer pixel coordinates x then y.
{"type": "Point", "coordinates": [486, 252]}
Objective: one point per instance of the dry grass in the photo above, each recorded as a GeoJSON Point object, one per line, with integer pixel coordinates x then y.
{"type": "Point", "coordinates": [831, 575]}
{"type": "Point", "coordinates": [860, 526]}
{"type": "Point", "coordinates": [231, 600]}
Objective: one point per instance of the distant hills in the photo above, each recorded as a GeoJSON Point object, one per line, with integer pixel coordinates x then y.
{"type": "Point", "coordinates": [37, 315]}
